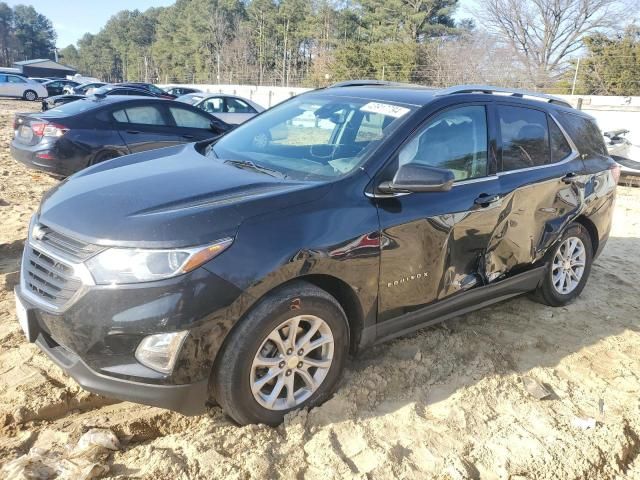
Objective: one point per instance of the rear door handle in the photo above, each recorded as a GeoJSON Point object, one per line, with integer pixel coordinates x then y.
{"type": "Point", "coordinates": [570, 177]}
{"type": "Point", "coordinates": [133, 131]}
{"type": "Point", "coordinates": [189, 137]}
{"type": "Point", "coordinates": [484, 199]}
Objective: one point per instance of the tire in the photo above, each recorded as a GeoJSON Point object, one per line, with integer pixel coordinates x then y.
{"type": "Point", "coordinates": [235, 370]}
{"type": "Point", "coordinates": [30, 96]}
{"type": "Point", "coordinates": [550, 291]}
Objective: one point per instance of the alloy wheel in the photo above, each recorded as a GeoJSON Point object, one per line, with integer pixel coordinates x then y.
{"type": "Point", "coordinates": [292, 362]}
{"type": "Point", "coordinates": [568, 265]}
{"type": "Point", "coordinates": [30, 96]}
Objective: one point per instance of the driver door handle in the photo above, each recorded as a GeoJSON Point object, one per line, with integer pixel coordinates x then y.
{"type": "Point", "coordinates": [485, 200]}
{"type": "Point", "coordinates": [570, 177]}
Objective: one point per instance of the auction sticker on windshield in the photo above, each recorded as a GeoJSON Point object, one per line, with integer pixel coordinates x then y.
{"type": "Point", "coordinates": [385, 109]}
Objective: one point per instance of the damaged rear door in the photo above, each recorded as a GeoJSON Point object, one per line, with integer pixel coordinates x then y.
{"type": "Point", "coordinates": [434, 243]}
{"type": "Point", "coordinates": [541, 177]}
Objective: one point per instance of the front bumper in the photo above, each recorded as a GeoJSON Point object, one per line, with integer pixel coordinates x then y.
{"type": "Point", "coordinates": [95, 337]}
{"type": "Point", "coordinates": [188, 399]}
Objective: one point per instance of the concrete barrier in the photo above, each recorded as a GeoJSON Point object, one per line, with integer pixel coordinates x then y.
{"type": "Point", "coordinates": [265, 96]}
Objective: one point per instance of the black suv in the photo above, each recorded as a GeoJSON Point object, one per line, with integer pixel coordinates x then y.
{"type": "Point", "coordinates": [245, 270]}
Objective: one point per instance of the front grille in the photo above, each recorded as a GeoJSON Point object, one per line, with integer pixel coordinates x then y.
{"type": "Point", "coordinates": [47, 278]}
{"type": "Point", "coordinates": [71, 248]}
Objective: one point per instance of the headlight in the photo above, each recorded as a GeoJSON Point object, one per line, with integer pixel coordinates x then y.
{"type": "Point", "coordinates": [132, 265]}
{"type": "Point", "coordinates": [160, 351]}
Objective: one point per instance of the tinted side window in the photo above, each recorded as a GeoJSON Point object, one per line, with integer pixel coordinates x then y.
{"type": "Point", "coordinates": [3, 78]}
{"type": "Point", "coordinates": [144, 115]}
{"type": "Point", "coordinates": [13, 79]}
{"type": "Point", "coordinates": [585, 134]}
{"type": "Point", "coordinates": [238, 106]}
{"type": "Point", "coordinates": [525, 137]}
{"type": "Point", "coordinates": [188, 119]}
{"type": "Point", "coordinates": [455, 140]}
{"type": "Point", "coordinates": [560, 148]}
{"type": "Point", "coordinates": [212, 105]}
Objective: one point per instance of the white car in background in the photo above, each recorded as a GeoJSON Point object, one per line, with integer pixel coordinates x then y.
{"type": "Point", "coordinates": [21, 87]}
{"type": "Point", "coordinates": [228, 108]}
{"type": "Point", "coordinates": [625, 154]}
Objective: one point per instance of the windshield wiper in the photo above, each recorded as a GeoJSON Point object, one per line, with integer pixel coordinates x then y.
{"type": "Point", "coordinates": [249, 165]}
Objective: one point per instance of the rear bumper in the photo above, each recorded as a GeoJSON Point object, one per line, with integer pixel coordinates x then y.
{"type": "Point", "coordinates": [26, 155]}
{"type": "Point", "coordinates": [188, 399]}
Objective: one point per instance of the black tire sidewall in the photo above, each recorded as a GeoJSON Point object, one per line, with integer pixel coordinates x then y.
{"type": "Point", "coordinates": [550, 294]}
{"type": "Point", "coordinates": [231, 385]}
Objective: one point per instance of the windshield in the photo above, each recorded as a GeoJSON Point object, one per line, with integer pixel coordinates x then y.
{"type": "Point", "coordinates": [312, 137]}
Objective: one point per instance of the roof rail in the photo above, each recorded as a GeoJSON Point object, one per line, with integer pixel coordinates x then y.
{"type": "Point", "coordinates": [507, 91]}
{"type": "Point", "coordinates": [359, 83]}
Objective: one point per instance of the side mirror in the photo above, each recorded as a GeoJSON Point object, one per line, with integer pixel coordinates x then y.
{"type": "Point", "coordinates": [419, 178]}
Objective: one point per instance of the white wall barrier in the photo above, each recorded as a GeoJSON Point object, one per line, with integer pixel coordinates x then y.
{"type": "Point", "coordinates": [265, 96]}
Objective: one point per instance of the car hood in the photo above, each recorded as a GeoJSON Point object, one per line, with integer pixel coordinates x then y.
{"type": "Point", "coordinates": [171, 197]}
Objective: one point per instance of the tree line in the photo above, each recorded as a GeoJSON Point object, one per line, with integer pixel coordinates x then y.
{"type": "Point", "coordinates": [24, 34]}
{"type": "Point", "coordinates": [517, 43]}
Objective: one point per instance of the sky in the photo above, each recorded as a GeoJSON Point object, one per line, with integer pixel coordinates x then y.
{"type": "Point", "coordinates": [73, 18]}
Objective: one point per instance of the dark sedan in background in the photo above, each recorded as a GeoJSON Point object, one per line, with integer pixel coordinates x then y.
{"type": "Point", "coordinates": [149, 87]}
{"type": "Point", "coordinates": [82, 88]}
{"type": "Point", "coordinates": [179, 91]}
{"type": "Point", "coordinates": [56, 87]}
{"type": "Point", "coordinates": [71, 137]}
{"type": "Point", "coordinates": [104, 91]}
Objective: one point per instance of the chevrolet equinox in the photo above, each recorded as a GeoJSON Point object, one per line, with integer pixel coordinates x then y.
{"type": "Point", "coordinates": [244, 270]}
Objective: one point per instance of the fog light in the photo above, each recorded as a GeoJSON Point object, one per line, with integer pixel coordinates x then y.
{"type": "Point", "coordinates": [160, 351]}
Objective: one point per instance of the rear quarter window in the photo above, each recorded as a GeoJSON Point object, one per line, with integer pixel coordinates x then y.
{"type": "Point", "coordinates": [585, 134]}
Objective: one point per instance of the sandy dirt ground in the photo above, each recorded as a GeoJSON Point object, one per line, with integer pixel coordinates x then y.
{"type": "Point", "coordinates": [448, 402]}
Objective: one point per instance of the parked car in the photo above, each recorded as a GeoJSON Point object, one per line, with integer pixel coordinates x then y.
{"type": "Point", "coordinates": [91, 130]}
{"type": "Point", "coordinates": [230, 108]}
{"type": "Point", "coordinates": [40, 80]}
{"type": "Point", "coordinates": [21, 87]}
{"type": "Point", "coordinates": [179, 91]}
{"type": "Point", "coordinates": [82, 88]}
{"type": "Point", "coordinates": [625, 154]}
{"type": "Point", "coordinates": [104, 91]}
{"type": "Point", "coordinates": [244, 270]}
{"type": "Point", "coordinates": [56, 87]}
{"type": "Point", "coordinates": [150, 87]}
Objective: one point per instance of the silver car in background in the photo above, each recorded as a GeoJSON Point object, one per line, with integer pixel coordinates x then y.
{"type": "Point", "coordinates": [228, 108]}
{"type": "Point", "coordinates": [21, 87]}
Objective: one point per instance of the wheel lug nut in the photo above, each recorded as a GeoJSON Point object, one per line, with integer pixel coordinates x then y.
{"type": "Point", "coordinates": [281, 364]}
{"type": "Point", "coordinates": [299, 364]}
{"type": "Point", "coordinates": [289, 351]}
{"type": "Point", "coordinates": [301, 352]}
{"type": "Point", "coordinates": [288, 373]}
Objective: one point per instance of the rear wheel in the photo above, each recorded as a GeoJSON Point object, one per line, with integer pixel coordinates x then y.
{"type": "Point", "coordinates": [569, 268]}
{"type": "Point", "coordinates": [288, 353]}
{"type": "Point", "coordinates": [30, 95]}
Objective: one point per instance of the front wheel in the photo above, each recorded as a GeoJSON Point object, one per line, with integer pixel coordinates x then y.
{"type": "Point", "coordinates": [30, 95]}
{"type": "Point", "coordinates": [288, 353]}
{"type": "Point", "coordinates": [569, 268]}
